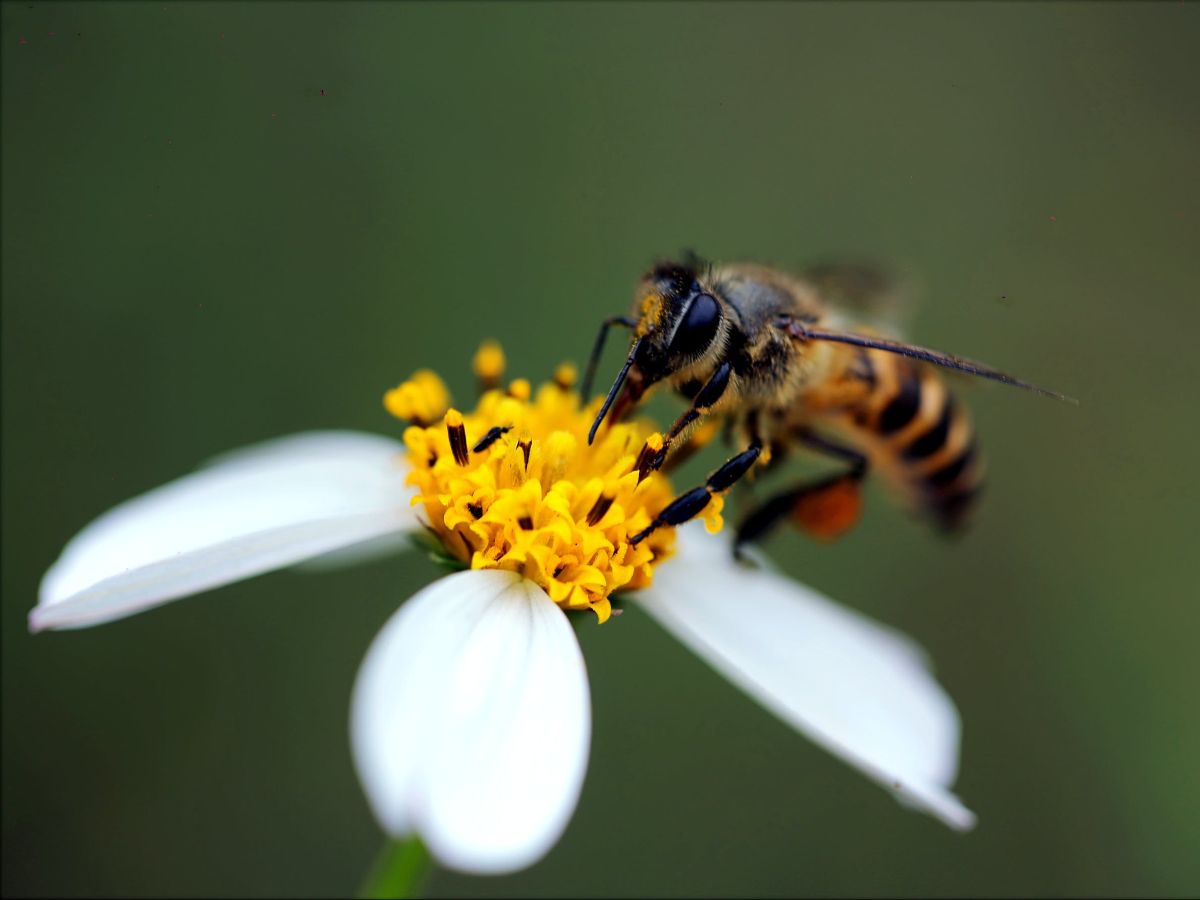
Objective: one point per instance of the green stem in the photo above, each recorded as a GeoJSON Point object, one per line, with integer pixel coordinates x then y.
{"type": "Point", "coordinates": [399, 871]}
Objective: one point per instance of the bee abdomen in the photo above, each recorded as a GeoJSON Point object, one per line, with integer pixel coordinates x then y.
{"type": "Point", "coordinates": [925, 440]}
{"type": "Point", "coordinates": [952, 490]}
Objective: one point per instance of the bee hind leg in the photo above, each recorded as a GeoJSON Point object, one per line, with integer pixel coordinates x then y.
{"type": "Point", "coordinates": [825, 509]}
{"type": "Point", "coordinates": [687, 506]}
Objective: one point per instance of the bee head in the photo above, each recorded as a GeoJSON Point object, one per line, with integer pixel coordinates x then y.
{"type": "Point", "coordinates": [678, 323]}
{"type": "Point", "coordinates": [677, 327]}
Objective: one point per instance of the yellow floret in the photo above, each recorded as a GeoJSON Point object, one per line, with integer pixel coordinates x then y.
{"type": "Point", "coordinates": [539, 499]}
{"type": "Point", "coordinates": [489, 363]}
{"type": "Point", "coordinates": [421, 400]}
{"type": "Point", "coordinates": [565, 375]}
{"type": "Point", "coordinates": [520, 389]}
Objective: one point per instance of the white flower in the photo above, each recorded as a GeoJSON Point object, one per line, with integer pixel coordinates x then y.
{"type": "Point", "coordinates": [470, 718]}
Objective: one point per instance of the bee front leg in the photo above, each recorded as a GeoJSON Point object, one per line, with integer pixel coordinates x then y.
{"type": "Point", "coordinates": [704, 400]}
{"type": "Point", "coordinates": [688, 506]}
{"type": "Point", "coordinates": [826, 508]}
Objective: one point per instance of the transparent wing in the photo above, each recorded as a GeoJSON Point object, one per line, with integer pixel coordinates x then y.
{"type": "Point", "coordinates": [868, 295]}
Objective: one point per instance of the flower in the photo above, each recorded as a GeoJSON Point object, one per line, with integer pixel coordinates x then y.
{"type": "Point", "coordinates": [470, 718]}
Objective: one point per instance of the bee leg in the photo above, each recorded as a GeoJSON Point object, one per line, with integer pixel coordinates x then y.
{"type": "Point", "coordinates": [700, 438]}
{"type": "Point", "coordinates": [826, 508]}
{"type": "Point", "coordinates": [704, 400]}
{"type": "Point", "coordinates": [688, 506]}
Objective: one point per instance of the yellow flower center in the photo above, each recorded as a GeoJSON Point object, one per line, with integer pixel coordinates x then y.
{"type": "Point", "coordinates": [514, 484]}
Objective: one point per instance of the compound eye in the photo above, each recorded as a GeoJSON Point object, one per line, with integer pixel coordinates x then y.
{"type": "Point", "coordinates": [698, 328]}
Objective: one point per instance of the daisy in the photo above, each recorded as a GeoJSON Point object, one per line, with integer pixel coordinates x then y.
{"type": "Point", "coordinates": [470, 717]}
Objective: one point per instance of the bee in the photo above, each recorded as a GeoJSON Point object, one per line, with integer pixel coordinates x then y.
{"type": "Point", "coordinates": [778, 361]}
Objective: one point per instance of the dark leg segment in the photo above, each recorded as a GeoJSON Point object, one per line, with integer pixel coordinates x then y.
{"type": "Point", "coordinates": [589, 376]}
{"type": "Point", "coordinates": [814, 441]}
{"type": "Point", "coordinates": [708, 395]}
{"type": "Point", "coordinates": [825, 508]}
{"type": "Point", "coordinates": [691, 504]}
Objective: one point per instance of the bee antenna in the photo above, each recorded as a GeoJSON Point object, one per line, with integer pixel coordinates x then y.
{"type": "Point", "coordinates": [946, 360]}
{"type": "Point", "coordinates": [694, 262]}
{"type": "Point", "coordinates": [614, 390]}
{"type": "Point", "coordinates": [585, 389]}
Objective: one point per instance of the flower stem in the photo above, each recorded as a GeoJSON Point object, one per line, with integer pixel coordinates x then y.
{"type": "Point", "coordinates": [399, 871]}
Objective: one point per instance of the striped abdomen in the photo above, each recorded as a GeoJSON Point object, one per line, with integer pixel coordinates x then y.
{"type": "Point", "coordinates": [919, 436]}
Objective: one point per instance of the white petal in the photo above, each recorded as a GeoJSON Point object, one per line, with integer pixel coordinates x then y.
{"type": "Point", "coordinates": [856, 688]}
{"type": "Point", "coordinates": [471, 721]}
{"type": "Point", "coordinates": [356, 554]}
{"type": "Point", "coordinates": [249, 512]}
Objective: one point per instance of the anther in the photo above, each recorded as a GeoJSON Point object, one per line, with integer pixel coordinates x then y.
{"type": "Point", "coordinates": [457, 432]}
{"type": "Point", "coordinates": [525, 446]}
{"type": "Point", "coordinates": [490, 438]}
{"type": "Point", "coordinates": [475, 509]}
{"type": "Point", "coordinates": [564, 376]}
{"type": "Point", "coordinates": [421, 400]}
{"type": "Point", "coordinates": [650, 457]}
{"type": "Point", "coordinates": [488, 365]}
{"type": "Point", "coordinates": [526, 523]}
{"type": "Point", "coordinates": [599, 508]}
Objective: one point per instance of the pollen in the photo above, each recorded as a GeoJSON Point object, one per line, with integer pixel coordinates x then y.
{"type": "Point", "coordinates": [513, 484]}
{"type": "Point", "coordinates": [651, 307]}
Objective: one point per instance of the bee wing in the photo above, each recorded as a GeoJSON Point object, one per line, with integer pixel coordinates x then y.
{"type": "Point", "coordinates": [869, 295]}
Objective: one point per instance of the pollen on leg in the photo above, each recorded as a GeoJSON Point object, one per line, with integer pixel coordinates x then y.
{"type": "Point", "coordinates": [513, 484]}
{"type": "Point", "coordinates": [829, 511]}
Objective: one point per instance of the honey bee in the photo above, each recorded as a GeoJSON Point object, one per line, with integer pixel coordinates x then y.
{"type": "Point", "coordinates": [777, 360]}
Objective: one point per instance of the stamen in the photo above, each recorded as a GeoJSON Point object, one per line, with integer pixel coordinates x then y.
{"type": "Point", "coordinates": [648, 456]}
{"type": "Point", "coordinates": [488, 365]}
{"type": "Point", "coordinates": [519, 389]}
{"type": "Point", "coordinates": [458, 437]}
{"type": "Point", "coordinates": [420, 400]}
{"type": "Point", "coordinates": [525, 446]}
{"type": "Point", "coordinates": [599, 508]}
{"type": "Point", "coordinates": [526, 523]}
{"type": "Point", "coordinates": [564, 376]}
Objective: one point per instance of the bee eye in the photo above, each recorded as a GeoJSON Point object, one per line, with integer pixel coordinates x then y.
{"type": "Point", "coordinates": [698, 328]}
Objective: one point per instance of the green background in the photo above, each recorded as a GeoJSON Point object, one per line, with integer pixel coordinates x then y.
{"type": "Point", "coordinates": [223, 223]}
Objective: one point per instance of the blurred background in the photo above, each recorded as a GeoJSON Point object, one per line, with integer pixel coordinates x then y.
{"type": "Point", "coordinates": [223, 223]}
